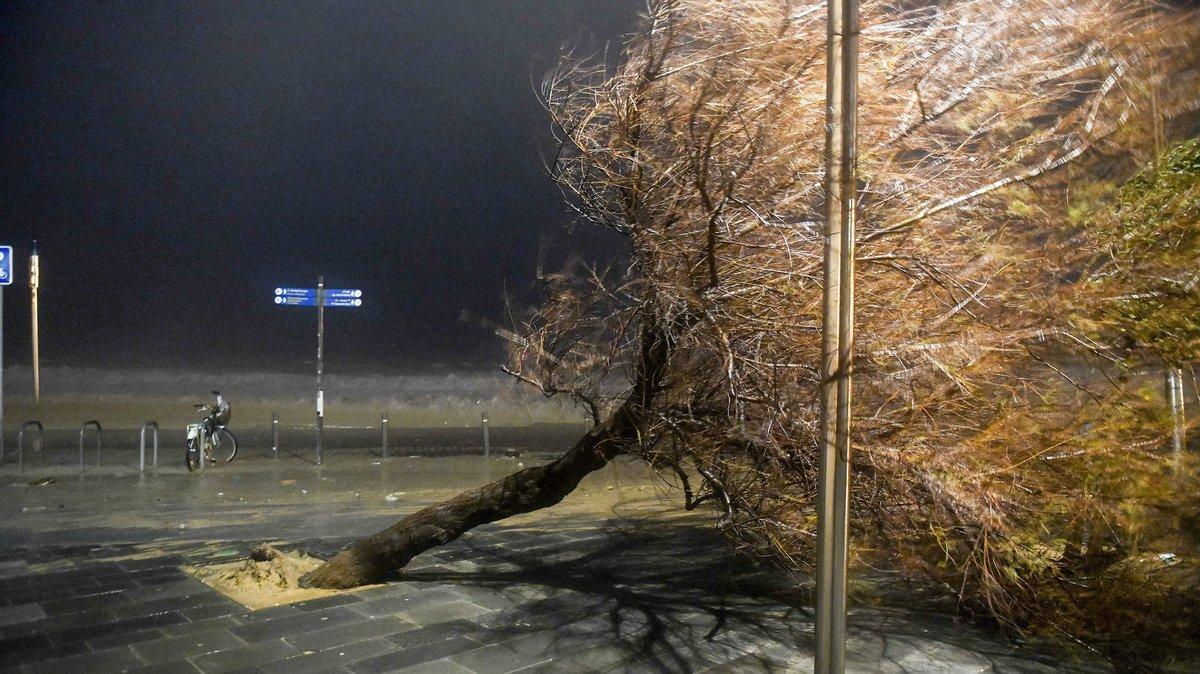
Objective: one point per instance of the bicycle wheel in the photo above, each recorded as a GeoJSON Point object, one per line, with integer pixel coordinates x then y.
{"type": "Point", "coordinates": [227, 443]}
{"type": "Point", "coordinates": [191, 455]}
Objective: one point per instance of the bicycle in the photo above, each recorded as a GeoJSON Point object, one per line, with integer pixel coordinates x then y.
{"type": "Point", "coordinates": [202, 435]}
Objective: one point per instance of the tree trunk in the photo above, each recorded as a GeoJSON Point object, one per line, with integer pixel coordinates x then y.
{"type": "Point", "coordinates": [376, 558]}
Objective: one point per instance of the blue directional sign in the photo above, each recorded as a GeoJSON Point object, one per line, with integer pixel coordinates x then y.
{"type": "Point", "coordinates": [5, 265]}
{"type": "Point", "coordinates": [307, 297]}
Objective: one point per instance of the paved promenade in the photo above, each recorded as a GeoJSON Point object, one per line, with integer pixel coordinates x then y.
{"type": "Point", "coordinates": [91, 580]}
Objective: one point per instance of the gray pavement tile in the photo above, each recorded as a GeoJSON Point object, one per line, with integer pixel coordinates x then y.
{"type": "Point", "coordinates": [251, 655]}
{"type": "Point", "coordinates": [406, 602]}
{"type": "Point", "coordinates": [173, 667]}
{"type": "Point", "coordinates": [227, 608]}
{"type": "Point", "coordinates": [440, 613]}
{"type": "Point", "coordinates": [262, 630]}
{"type": "Point", "coordinates": [416, 655]}
{"type": "Point", "coordinates": [507, 656]}
{"type": "Point", "coordinates": [440, 632]}
{"type": "Point", "coordinates": [15, 652]}
{"type": "Point", "coordinates": [435, 667]}
{"type": "Point", "coordinates": [202, 625]}
{"type": "Point", "coordinates": [178, 588]}
{"type": "Point", "coordinates": [125, 638]}
{"type": "Point", "coordinates": [87, 632]}
{"type": "Point", "coordinates": [348, 633]}
{"type": "Point", "coordinates": [330, 601]}
{"type": "Point", "coordinates": [111, 599]}
{"type": "Point", "coordinates": [489, 598]}
{"type": "Point", "coordinates": [330, 659]}
{"type": "Point", "coordinates": [187, 646]}
{"type": "Point", "coordinates": [96, 662]}
{"type": "Point", "coordinates": [272, 612]}
{"type": "Point", "coordinates": [20, 613]}
{"type": "Point", "coordinates": [57, 624]}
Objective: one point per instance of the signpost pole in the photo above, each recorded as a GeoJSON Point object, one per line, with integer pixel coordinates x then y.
{"type": "Point", "coordinates": [2, 369]}
{"type": "Point", "coordinates": [6, 270]}
{"type": "Point", "coordinates": [34, 280]}
{"type": "Point", "coordinates": [320, 365]}
{"type": "Point", "coordinates": [318, 297]}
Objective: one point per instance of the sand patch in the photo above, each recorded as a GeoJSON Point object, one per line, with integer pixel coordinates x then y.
{"type": "Point", "coordinates": [269, 578]}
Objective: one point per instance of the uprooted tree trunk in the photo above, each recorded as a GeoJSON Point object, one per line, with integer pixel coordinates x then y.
{"type": "Point", "coordinates": [381, 556]}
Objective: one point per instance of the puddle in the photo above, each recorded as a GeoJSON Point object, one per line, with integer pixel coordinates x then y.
{"type": "Point", "coordinates": [274, 581]}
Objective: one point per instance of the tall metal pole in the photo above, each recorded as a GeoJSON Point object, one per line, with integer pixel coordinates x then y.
{"type": "Point", "coordinates": [1174, 385]}
{"type": "Point", "coordinates": [320, 366]}
{"type": "Point", "coordinates": [833, 500]}
{"type": "Point", "coordinates": [34, 273]}
{"type": "Point", "coordinates": [1, 373]}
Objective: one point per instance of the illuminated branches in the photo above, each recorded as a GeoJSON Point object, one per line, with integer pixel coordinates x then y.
{"type": "Point", "coordinates": [704, 147]}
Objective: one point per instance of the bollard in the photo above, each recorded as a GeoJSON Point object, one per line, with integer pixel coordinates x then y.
{"type": "Point", "coordinates": [383, 423]}
{"type": "Point", "coordinates": [142, 446]}
{"type": "Point", "coordinates": [82, 431]}
{"type": "Point", "coordinates": [21, 443]}
{"type": "Point", "coordinates": [275, 435]}
{"type": "Point", "coordinates": [202, 462]}
{"type": "Point", "coordinates": [487, 445]}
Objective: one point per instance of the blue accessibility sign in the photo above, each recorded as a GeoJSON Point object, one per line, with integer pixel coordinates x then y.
{"type": "Point", "coordinates": [6, 269]}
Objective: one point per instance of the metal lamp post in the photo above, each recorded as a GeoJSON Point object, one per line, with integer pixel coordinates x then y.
{"type": "Point", "coordinates": [837, 349]}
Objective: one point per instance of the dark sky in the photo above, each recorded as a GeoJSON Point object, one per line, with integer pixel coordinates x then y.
{"type": "Point", "coordinates": [177, 161]}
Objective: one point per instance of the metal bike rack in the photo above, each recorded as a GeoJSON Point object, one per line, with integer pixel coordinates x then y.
{"type": "Point", "coordinates": [275, 435]}
{"type": "Point", "coordinates": [383, 427]}
{"type": "Point", "coordinates": [203, 460]}
{"type": "Point", "coordinates": [487, 445]}
{"type": "Point", "coordinates": [99, 442]}
{"type": "Point", "coordinates": [142, 446]}
{"type": "Point", "coordinates": [21, 443]}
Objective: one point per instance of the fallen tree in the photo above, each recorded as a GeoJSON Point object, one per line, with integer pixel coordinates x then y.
{"type": "Point", "coordinates": [984, 451]}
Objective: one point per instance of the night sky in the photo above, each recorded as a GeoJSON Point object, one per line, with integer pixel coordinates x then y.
{"type": "Point", "coordinates": [178, 161]}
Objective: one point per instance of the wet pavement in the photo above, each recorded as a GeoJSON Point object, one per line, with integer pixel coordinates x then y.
{"type": "Point", "coordinates": [91, 579]}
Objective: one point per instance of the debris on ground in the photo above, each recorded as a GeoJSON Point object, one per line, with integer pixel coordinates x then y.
{"type": "Point", "coordinates": [269, 577]}
{"type": "Point", "coordinates": [42, 482]}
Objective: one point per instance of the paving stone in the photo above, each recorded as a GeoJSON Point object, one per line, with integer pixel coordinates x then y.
{"type": "Point", "coordinates": [349, 633]}
{"type": "Point", "coordinates": [295, 624]}
{"type": "Point", "coordinates": [913, 654]}
{"type": "Point", "coordinates": [251, 655]}
{"type": "Point", "coordinates": [188, 646]}
{"type": "Point", "coordinates": [330, 601]}
{"type": "Point", "coordinates": [435, 667]}
{"type": "Point", "coordinates": [406, 602]}
{"type": "Point", "coordinates": [227, 608]}
{"type": "Point", "coordinates": [20, 613]}
{"type": "Point", "coordinates": [96, 662]}
{"type": "Point", "coordinates": [127, 625]}
{"type": "Point", "coordinates": [204, 625]}
{"type": "Point", "coordinates": [14, 652]}
{"type": "Point", "coordinates": [440, 613]}
{"type": "Point", "coordinates": [330, 659]}
{"type": "Point", "coordinates": [440, 632]}
{"type": "Point", "coordinates": [416, 655]}
{"type": "Point", "coordinates": [488, 598]}
{"type": "Point", "coordinates": [172, 667]}
{"type": "Point", "coordinates": [507, 656]}
{"type": "Point", "coordinates": [125, 638]}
